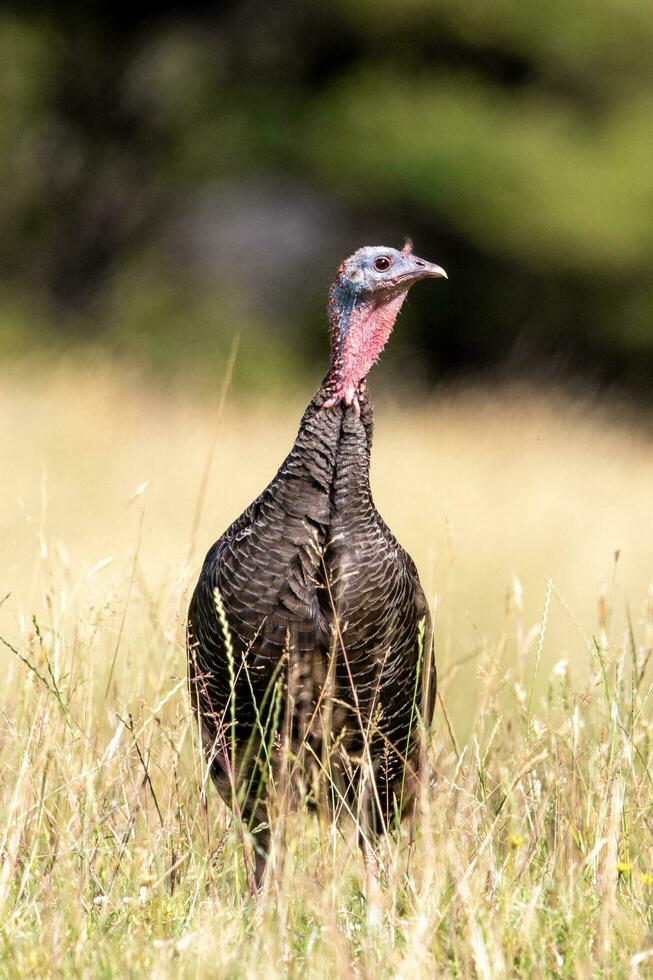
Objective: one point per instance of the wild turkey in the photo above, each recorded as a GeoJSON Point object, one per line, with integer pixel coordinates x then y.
{"type": "Point", "coordinates": [309, 634]}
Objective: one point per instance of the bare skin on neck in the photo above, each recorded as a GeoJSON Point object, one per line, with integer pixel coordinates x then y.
{"type": "Point", "coordinates": [370, 325]}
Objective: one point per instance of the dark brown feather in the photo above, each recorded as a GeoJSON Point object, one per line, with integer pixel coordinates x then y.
{"type": "Point", "coordinates": [325, 608]}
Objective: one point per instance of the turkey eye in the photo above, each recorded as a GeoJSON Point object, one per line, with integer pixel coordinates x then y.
{"type": "Point", "coordinates": [382, 264]}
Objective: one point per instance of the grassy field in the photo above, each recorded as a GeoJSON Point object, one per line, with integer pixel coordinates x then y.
{"type": "Point", "coordinates": [530, 520]}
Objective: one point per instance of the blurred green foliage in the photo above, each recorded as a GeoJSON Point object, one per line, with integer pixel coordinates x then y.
{"type": "Point", "coordinates": [513, 140]}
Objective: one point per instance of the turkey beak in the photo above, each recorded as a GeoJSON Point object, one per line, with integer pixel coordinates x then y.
{"type": "Point", "coordinates": [427, 270]}
{"type": "Point", "coordinates": [421, 269]}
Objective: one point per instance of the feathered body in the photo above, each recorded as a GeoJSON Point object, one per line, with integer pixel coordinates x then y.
{"type": "Point", "coordinates": [309, 633]}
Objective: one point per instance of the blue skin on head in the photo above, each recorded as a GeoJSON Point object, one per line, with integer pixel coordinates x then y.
{"type": "Point", "coordinates": [375, 270]}
{"type": "Point", "coordinates": [364, 302]}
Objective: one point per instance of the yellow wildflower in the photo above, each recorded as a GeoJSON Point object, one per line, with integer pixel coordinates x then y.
{"type": "Point", "coordinates": [647, 879]}
{"type": "Point", "coordinates": [624, 868]}
{"type": "Point", "coordinates": [515, 841]}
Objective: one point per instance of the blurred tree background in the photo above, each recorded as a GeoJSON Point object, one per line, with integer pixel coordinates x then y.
{"type": "Point", "coordinates": [175, 174]}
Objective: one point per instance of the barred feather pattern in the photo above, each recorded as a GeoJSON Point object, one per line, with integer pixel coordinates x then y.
{"type": "Point", "coordinates": [328, 632]}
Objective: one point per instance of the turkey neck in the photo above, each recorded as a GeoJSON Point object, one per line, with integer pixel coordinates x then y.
{"type": "Point", "coordinates": [360, 325]}
{"type": "Point", "coordinates": [349, 437]}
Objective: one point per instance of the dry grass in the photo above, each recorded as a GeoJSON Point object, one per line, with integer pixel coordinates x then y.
{"type": "Point", "coordinates": [534, 852]}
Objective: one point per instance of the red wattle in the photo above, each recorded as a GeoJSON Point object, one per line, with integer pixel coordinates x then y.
{"type": "Point", "coordinates": [369, 327]}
